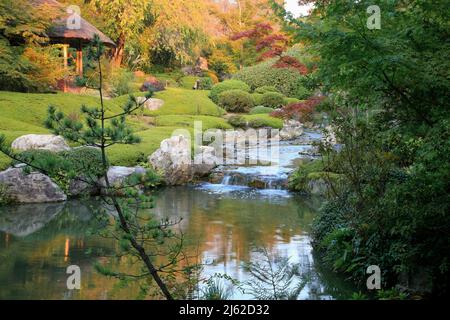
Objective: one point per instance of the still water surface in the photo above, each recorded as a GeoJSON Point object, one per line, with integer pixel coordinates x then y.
{"type": "Point", "coordinates": [225, 225]}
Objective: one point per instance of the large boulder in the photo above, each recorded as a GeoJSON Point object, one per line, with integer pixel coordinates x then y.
{"type": "Point", "coordinates": [205, 161]}
{"type": "Point", "coordinates": [292, 130]}
{"type": "Point", "coordinates": [151, 104]}
{"type": "Point", "coordinates": [40, 141]}
{"type": "Point", "coordinates": [30, 188]}
{"type": "Point", "coordinates": [118, 175]}
{"type": "Point", "coordinates": [173, 159]}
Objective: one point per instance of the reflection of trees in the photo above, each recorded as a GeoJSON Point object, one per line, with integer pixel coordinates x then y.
{"type": "Point", "coordinates": [227, 228]}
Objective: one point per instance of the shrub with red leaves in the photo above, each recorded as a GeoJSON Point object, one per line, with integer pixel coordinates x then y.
{"type": "Point", "coordinates": [287, 62]}
{"type": "Point", "coordinates": [267, 43]}
{"type": "Point", "coordinates": [302, 111]}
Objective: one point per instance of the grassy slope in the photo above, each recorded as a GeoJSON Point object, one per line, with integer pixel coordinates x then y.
{"type": "Point", "coordinates": [22, 114]}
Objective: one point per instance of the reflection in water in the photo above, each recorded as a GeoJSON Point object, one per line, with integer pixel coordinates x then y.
{"type": "Point", "coordinates": [38, 242]}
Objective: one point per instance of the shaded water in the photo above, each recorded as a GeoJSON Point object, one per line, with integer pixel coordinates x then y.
{"type": "Point", "coordinates": [38, 242]}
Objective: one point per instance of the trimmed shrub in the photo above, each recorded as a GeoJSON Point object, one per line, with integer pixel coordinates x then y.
{"type": "Point", "coordinates": [226, 86]}
{"type": "Point", "coordinates": [263, 120]}
{"type": "Point", "coordinates": [272, 100]}
{"type": "Point", "coordinates": [237, 121]}
{"type": "Point", "coordinates": [257, 97]}
{"type": "Point", "coordinates": [265, 89]}
{"type": "Point", "coordinates": [288, 101]}
{"type": "Point", "coordinates": [261, 110]}
{"type": "Point", "coordinates": [286, 81]}
{"type": "Point", "coordinates": [236, 101]}
{"type": "Point", "coordinates": [205, 83]}
{"type": "Point", "coordinates": [256, 123]}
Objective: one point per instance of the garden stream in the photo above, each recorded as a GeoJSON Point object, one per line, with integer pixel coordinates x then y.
{"type": "Point", "coordinates": [225, 225]}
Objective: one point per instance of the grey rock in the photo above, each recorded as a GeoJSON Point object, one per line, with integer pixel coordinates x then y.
{"type": "Point", "coordinates": [30, 188]}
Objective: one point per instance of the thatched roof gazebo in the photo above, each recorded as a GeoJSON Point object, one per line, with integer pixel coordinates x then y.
{"type": "Point", "coordinates": [76, 36]}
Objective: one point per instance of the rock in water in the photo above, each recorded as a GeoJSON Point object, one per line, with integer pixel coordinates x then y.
{"type": "Point", "coordinates": [30, 188]}
{"type": "Point", "coordinates": [173, 158]}
{"type": "Point", "coordinates": [205, 161]}
{"type": "Point", "coordinates": [40, 141]}
{"type": "Point", "coordinates": [291, 130]}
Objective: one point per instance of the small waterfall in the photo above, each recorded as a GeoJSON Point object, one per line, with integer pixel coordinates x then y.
{"type": "Point", "coordinates": [226, 180]}
{"type": "Point", "coordinates": [232, 178]}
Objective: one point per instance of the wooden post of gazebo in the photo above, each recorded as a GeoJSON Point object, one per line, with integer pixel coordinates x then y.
{"type": "Point", "coordinates": [79, 67]}
{"type": "Point", "coordinates": [66, 63]}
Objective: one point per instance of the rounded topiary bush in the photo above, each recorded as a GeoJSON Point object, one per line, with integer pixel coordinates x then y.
{"type": "Point", "coordinates": [272, 100]}
{"type": "Point", "coordinates": [236, 101]}
{"type": "Point", "coordinates": [227, 86]}
{"type": "Point", "coordinates": [237, 121]}
{"type": "Point", "coordinates": [265, 89]}
{"type": "Point", "coordinates": [261, 110]}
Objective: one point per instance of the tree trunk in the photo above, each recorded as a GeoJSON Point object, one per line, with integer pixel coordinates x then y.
{"type": "Point", "coordinates": [119, 51]}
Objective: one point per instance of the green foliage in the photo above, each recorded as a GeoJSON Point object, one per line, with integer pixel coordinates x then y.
{"type": "Point", "coordinates": [237, 121]}
{"type": "Point", "coordinates": [392, 210]}
{"type": "Point", "coordinates": [272, 100]}
{"type": "Point", "coordinates": [299, 180]}
{"type": "Point", "coordinates": [226, 86]}
{"type": "Point", "coordinates": [121, 83]}
{"type": "Point", "coordinates": [286, 81]}
{"type": "Point", "coordinates": [265, 89]}
{"type": "Point", "coordinates": [238, 101]}
{"type": "Point", "coordinates": [288, 101]}
{"type": "Point", "coordinates": [206, 83]}
{"type": "Point", "coordinates": [24, 64]}
{"type": "Point", "coordinates": [263, 120]}
{"type": "Point", "coordinates": [261, 110]}
{"type": "Point", "coordinates": [64, 167]}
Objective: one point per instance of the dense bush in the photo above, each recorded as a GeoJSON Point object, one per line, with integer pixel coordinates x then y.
{"type": "Point", "coordinates": [261, 110]}
{"type": "Point", "coordinates": [226, 86]}
{"type": "Point", "coordinates": [266, 89]}
{"type": "Point", "coordinates": [257, 97]}
{"type": "Point", "coordinates": [302, 111]}
{"type": "Point", "coordinates": [205, 83]}
{"type": "Point", "coordinates": [286, 81]}
{"type": "Point", "coordinates": [288, 101]}
{"type": "Point", "coordinates": [263, 120]}
{"type": "Point", "coordinates": [62, 167]}
{"type": "Point", "coordinates": [120, 82]}
{"type": "Point", "coordinates": [236, 101]}
{"type": "Point", "coordinates": [237, 121]}
{"type": "Point", "coordinates": [272, 100]}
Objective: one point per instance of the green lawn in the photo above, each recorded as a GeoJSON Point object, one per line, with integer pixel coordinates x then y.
{"type": "Point", "coordinates": [22, 113]}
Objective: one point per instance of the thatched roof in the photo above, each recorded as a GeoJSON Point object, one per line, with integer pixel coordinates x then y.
{"type": "Point", "coordinates": [60, 33]}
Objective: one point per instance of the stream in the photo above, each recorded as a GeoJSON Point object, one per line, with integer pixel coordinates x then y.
{"type": "Point", "coordinates": [226, 222]}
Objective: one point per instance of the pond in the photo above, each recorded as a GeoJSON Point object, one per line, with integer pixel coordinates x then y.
{"type": "Point", "coordinates": [225, 226]}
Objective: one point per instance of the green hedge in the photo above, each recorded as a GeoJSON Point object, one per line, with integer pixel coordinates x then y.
{"type": "Point", "coordinates": [272, 100]}
{"type": "Point", "coordinates": [236, 101]}
{"type": "Point", "coordinates": [227, 86]}
{"type": "Point", "coordinates": [261, 110]}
